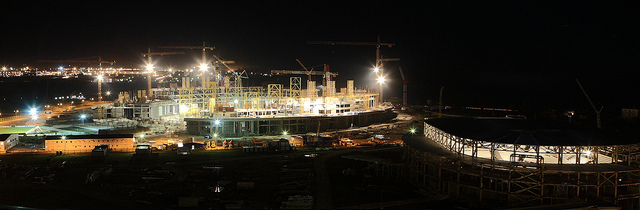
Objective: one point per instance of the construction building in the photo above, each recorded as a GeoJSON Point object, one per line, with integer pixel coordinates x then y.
{"type": "Point", "coordinates": [7, 141]}
{"type": "Point", "coordinates": [235, 110]}
{"type": "Point", "coordinates": [226, 108]}
{"type": "Point", "coordinates": [130, 110]}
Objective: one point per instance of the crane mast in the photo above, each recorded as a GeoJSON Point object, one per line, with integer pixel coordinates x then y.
{"type": "Point", "coordinates": [404, 88]}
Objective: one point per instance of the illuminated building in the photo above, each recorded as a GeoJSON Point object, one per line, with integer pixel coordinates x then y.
{"type": "Point", "coordinates": [7, 141]}
{"type": "Point", "coordinates": [86, 143]}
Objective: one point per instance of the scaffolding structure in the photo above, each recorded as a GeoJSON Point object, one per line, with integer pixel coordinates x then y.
{"type": "Point", "coordinates": [532, 175]}
{"type": "Point", "coordinates": [227, 97]}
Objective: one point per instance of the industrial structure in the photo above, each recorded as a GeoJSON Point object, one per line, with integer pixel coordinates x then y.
{"type": "Point", "coordinates": [213, 101]}
{"type": "Point", "coordinates": [7, 141]}
{"type": "Point", "coordinates": [521, 163]}
{"type": "Point", "coordinates": [87, 143]}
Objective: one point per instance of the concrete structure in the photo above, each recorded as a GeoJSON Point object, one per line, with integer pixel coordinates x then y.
{"type": "Point", "coordinates": [86, 143]}
{"type": "Point", "coordinates": [152, 110]}
{"type": "Point", "coordinates": [276, 125]}
{"type": "Point", "coordinates": [7, 141]}
{"type": "Point", "coordinates": [523, 163]}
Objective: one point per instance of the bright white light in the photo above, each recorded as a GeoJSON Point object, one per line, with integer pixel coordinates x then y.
{"type": "Point", "coordinates": [83, 116]}
{"type": "Point", "coordinates": [217, 122]}
{"type": "Point", "coordinates": [99, 77]}
{"type": "Point", "coordinates": [215, 135]}
{"type": "Point", "coordinates": [4, 68]}
{"type": "Point", "coordinates": [413, 130]}
{"type": "Point", "coordinates": [203, 67]}
{"type": "Point", "coordinates": [34, 117]}
{"type": "Point", "coordinates": [32, 111]}
{"type": "Point", "coordinates": [380, 79]}
{"type": "Point", "coordinates": [235, 101]}
{"type": "Point", "coordinates": [60, 68]}
{"type": "Point", "coordinates": [149, 67]}
{"type": "Point", "coordinates": [108, 92]}
{"type": "Point", "coordinates": [284, 133]}
{"type": "Point", "coordinates": [376, 69]}
{"type": "Point", "coordinates": [64, 137]}
{"type": "Point", "coordinates": [588, 152]}
{"type": "Point", "coordinates": [142, 136]}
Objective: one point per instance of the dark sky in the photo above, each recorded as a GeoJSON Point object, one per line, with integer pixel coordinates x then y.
{"type": "Point", "coordinates": [493, 53]}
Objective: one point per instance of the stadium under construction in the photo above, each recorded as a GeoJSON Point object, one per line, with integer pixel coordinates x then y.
{"type": "Point", "coordinates": [226, 108]}
{"type": "Point", "coordinates": [517, 163]}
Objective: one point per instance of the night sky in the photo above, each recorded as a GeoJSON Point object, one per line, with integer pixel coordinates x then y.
{"type": "Point", "coordinates": [495, 53]}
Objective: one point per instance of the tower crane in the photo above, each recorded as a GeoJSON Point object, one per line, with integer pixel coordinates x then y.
{"type": "Point", "coordinates": [378, 44]}
{"type": "Point", "coordinates": [204, 56]}
{"type": "Point", "coordinates": [203, 47]}
{"type": "Point", "coordinates": [150, 66]}
{"type": "Point", "coordinates": [306, 71]}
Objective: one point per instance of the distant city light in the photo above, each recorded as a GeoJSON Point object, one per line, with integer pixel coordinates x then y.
{"type": "Point", "coordinates": [203, 67]}
{"type": "Point", "coordinates": [413, 131]}
{"type": "Point", "coordinates": [380, 79]}
{"type": "Point", "coordinates": [149, 67]}
{"type": "Point", "coordinates": [100, 77]}
{"type": "Point", "coordinates": [83, 116]}
{"type": "Point", "coordinates": [376, 69]}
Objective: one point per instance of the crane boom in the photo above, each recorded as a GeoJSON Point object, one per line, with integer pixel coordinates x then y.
{"type": "Point", "coordinates": [162, 53]}
{"type": "Point", "coordinates": [203, 47]}
{"type": "Point", "coordinates": [305, 68]}
{"type": "Point", "coordinates": [278, 72]}
{"type": "Point", "coordinates": [592, 105]}
{"type": "Point", "coordinates": [379, 59]}
{"type": "Point", "coordinates": [225, 62]}
{"type": "Point", "coordinates": [351, 43]}
{"type": "Point", "coordinates": [187, 47]}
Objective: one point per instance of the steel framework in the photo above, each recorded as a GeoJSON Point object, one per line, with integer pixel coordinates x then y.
{"type": "Point", "coordinates": [474, 169]}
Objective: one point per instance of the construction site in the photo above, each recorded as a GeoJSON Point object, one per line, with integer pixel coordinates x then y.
{"type": "Point", "coordinates": [521, 163]}
{"type": "Point", "coordinates": [213, 100]}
